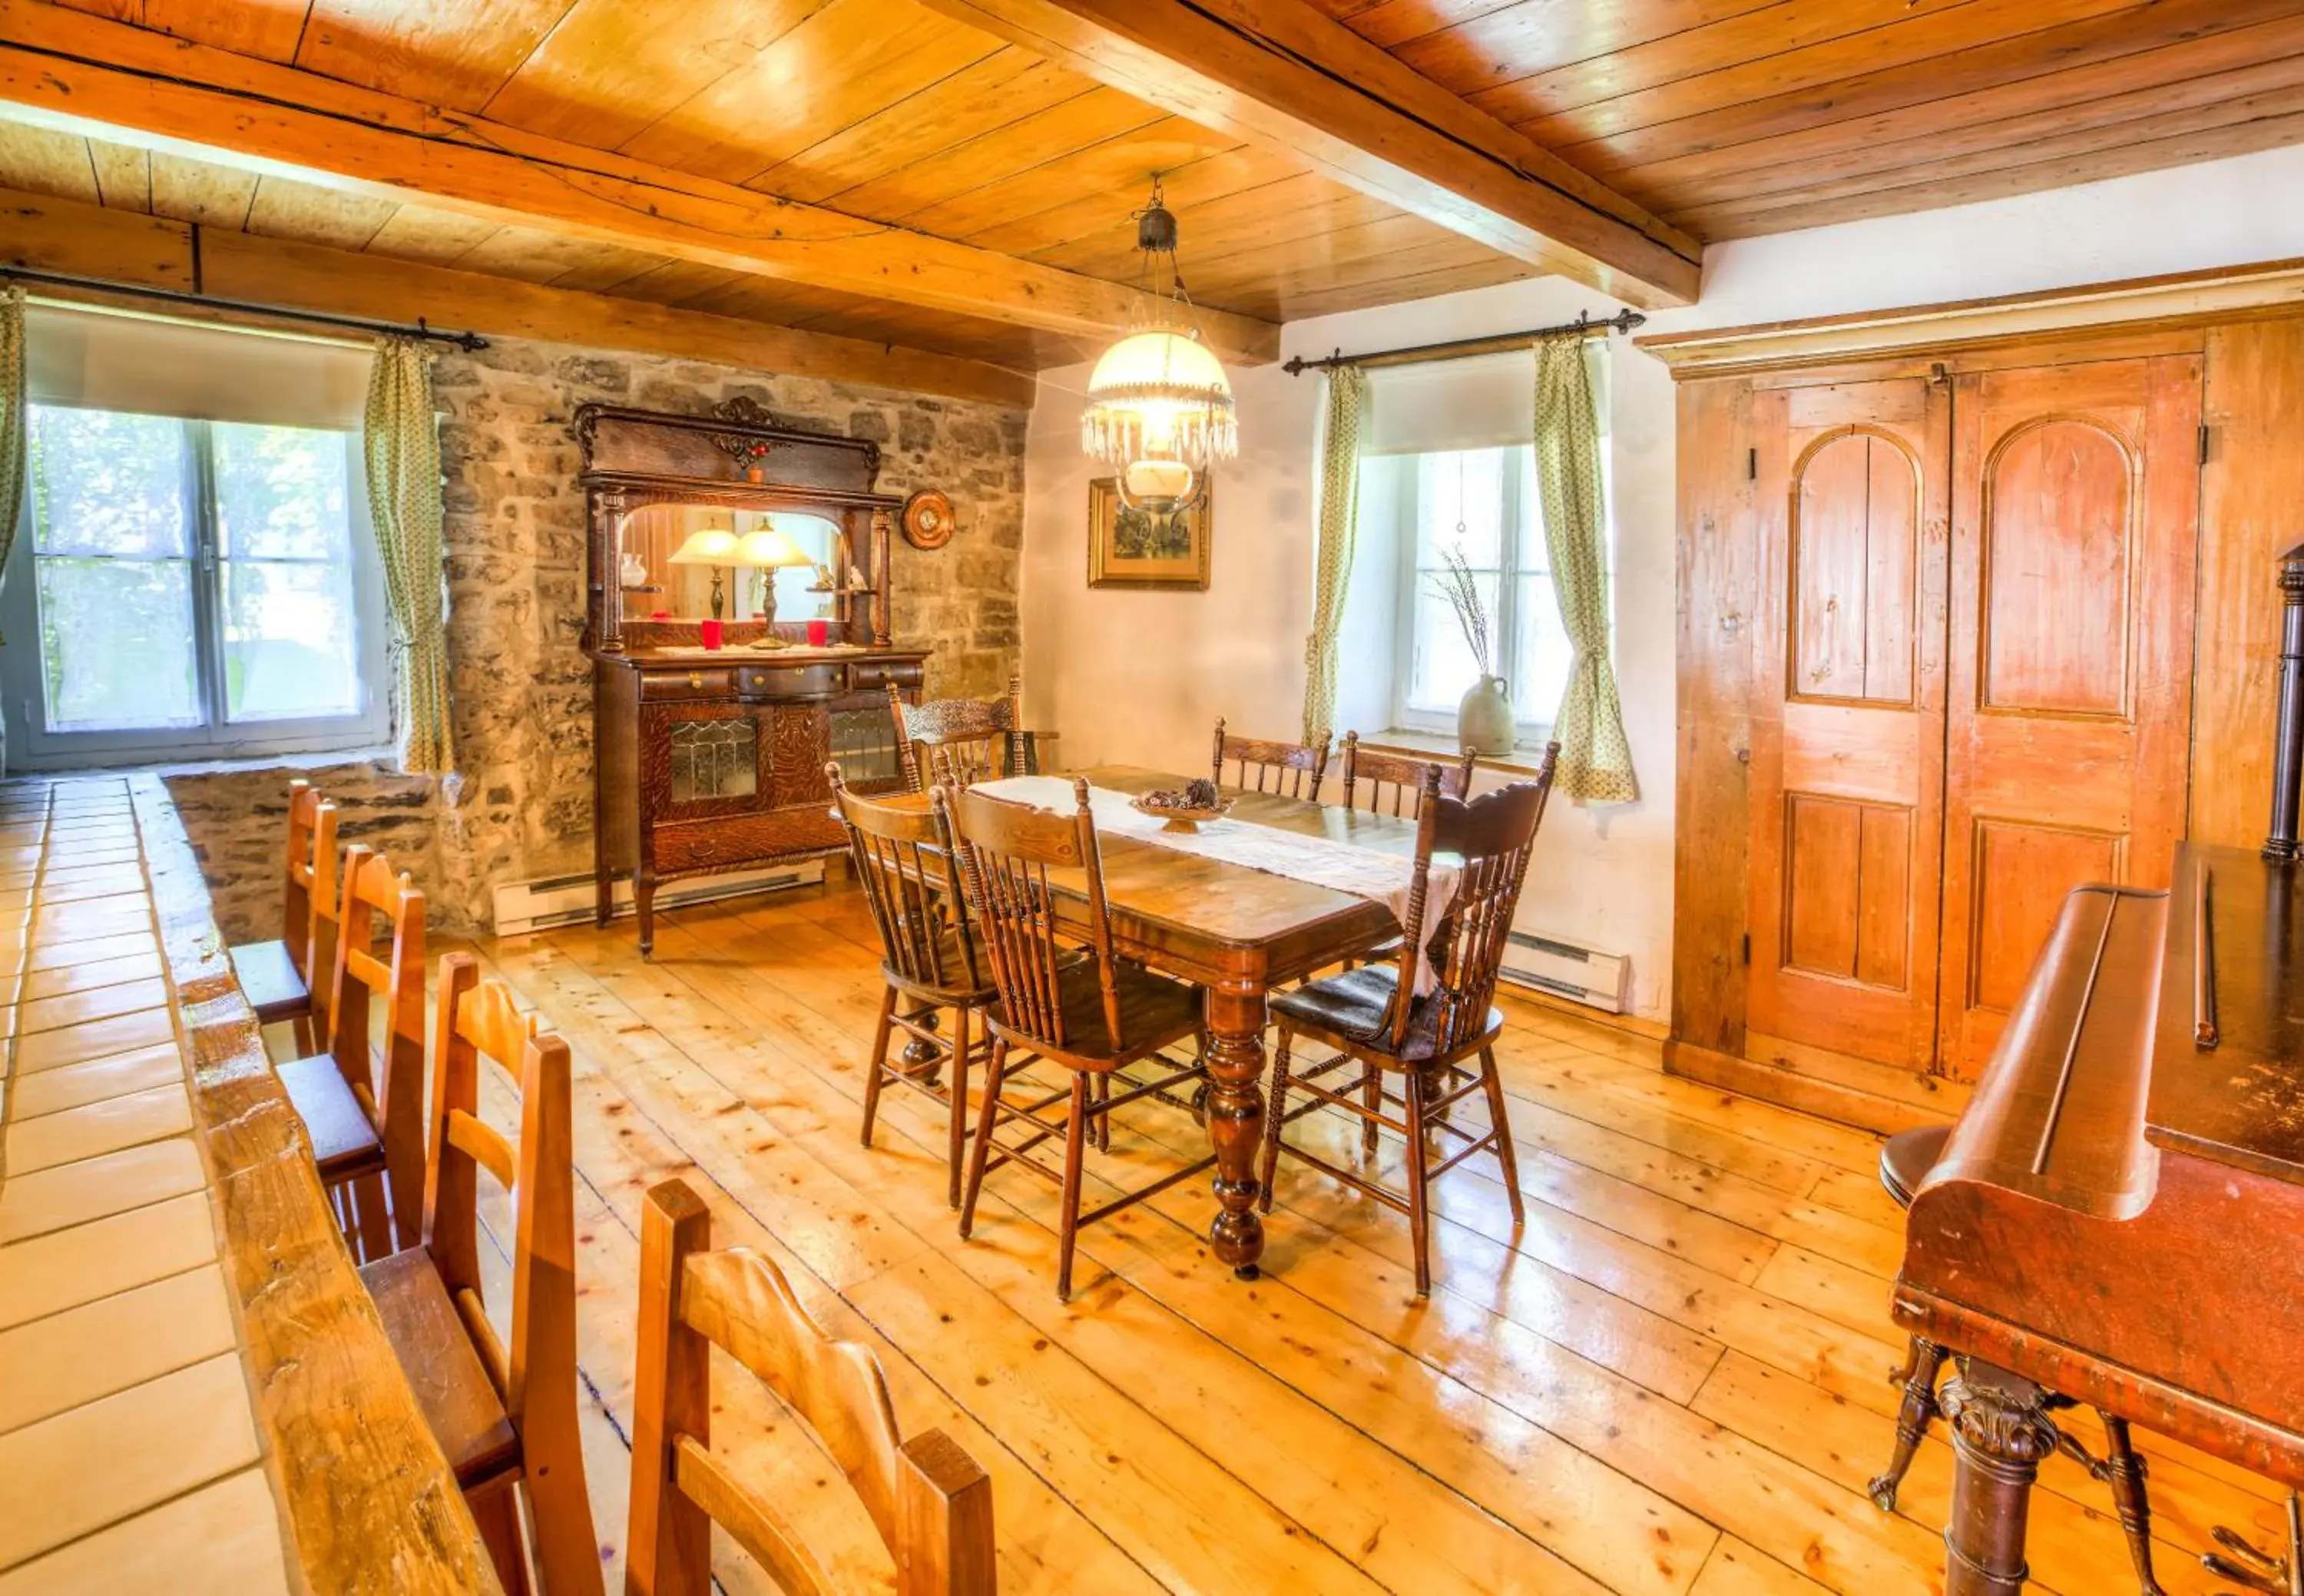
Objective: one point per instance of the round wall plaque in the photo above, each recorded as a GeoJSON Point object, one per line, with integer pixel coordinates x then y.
{"type": "Point", "coordinates": [929, 519]}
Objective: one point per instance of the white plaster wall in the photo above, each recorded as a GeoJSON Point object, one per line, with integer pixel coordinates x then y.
{"type": "Point", "coordinates": [1141, 677]}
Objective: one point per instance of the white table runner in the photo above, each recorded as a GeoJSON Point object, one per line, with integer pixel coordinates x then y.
{"type": "Point", "coordinates": [1380, 878]}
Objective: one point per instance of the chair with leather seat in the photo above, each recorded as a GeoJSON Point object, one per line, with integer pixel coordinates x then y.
{"type": "Point", "coordinates": [278, 977]}
{"type": "Point", "coordinates": [1374, 1016]}
{"type": "Point", "coordinates": [978, 739]}
{"type": "Point", "coordinates": [1071, 1002]}
{"type": "Point", "coordinates": [1906, 1161]}
{"type": "Point", "coordinates": [367, 1131]}
{"type": "Point", "coordinates": [504, 1412]}
{"type": "Point", "coordinates": [930, 1502]}
{"type": "Point", "coordinates": [930, 962]}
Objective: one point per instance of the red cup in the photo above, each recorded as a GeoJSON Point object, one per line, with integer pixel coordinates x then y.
{"type": "Point", "coordinates": [819, 632]}
{"type": "Point", "coordinates": [710, 631]}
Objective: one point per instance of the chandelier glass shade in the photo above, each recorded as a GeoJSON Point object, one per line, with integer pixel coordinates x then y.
{"type": "Point", "coordinates": [1159, 406]}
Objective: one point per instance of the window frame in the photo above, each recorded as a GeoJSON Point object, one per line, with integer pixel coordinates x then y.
{"type": "Point", "coordinates": [1522, 519]}
{"type": "Point", "coordinates": [24, 684]}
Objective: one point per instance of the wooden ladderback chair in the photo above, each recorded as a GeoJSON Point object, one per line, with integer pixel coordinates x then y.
{"type": "Point", "coordinates": [1064, 996]}
{"type": "Point", "coordinates": [1392, 783]}
{"type": "Point", "coordinates": [976, 739]}
{"type": "Point", "coordinates": [909, 871]}
{"type": "Point", "coordinates": [930, 1502]}
{"type": "Point", "coordinates": [506, 1416]}
{"type": "Point", "coordinates": [367, 1131]}
{"type": "Point", "coordinates": [1373, 1016]}
{"type": "Point", "coordinates": [1291, 770]}
{"type": "Point", "coordinates": [282, 978]}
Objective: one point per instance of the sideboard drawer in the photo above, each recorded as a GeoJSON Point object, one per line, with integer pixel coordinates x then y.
{"type": "Point", "coordinates": [870, 676]}
{"type": "Point", "coordinates": [739, 839]}
{"type": "Point", "coordinates": [788, 681]}
{"type": "Point", "coordinates": [656, 685]}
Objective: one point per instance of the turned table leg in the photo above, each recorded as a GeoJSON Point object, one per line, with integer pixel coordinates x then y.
{"type": "Point", "coordinates": [1235, 1119]}
{"type": "Point", "coordinates": [2000, 1437]}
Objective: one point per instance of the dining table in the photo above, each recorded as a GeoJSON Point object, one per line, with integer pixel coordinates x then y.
{"type": "Point", "coordinates": [1237, 932]}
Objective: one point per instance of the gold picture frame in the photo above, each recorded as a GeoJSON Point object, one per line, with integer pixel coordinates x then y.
{"type": "Point", "coordinates": [1133, 548]}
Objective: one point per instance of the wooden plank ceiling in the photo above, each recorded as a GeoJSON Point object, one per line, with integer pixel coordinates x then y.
{"type": "Point", "coordinates": [1725, 118]}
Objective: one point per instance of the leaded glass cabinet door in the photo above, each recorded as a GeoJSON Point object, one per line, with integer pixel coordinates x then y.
{"type": "Point", "coordinates": [706, 759]}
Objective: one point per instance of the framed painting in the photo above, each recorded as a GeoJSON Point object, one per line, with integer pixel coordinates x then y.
{"type": "Point", "coordinates": [1136, 548]}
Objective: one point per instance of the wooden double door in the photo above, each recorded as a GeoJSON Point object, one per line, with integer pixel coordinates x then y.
{"type": "Point", "coordinates": [1973, 688]}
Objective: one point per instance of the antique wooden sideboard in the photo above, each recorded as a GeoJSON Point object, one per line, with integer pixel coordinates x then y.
{"type": "Point", "coordinates": [712, 760]}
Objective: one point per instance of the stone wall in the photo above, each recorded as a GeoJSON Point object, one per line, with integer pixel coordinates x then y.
{"type": "Point", "coordinates": [521, 806]}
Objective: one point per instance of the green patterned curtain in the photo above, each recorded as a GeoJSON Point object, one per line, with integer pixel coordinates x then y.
{"type": "Point", "coordinates": [1338, 514]}
{"type": "Point", "coordinates": [403, 447]}
{"type": "Point", "coordinates": [13, 445]}
{"type": "Point", "coordinates": [1596, 762]}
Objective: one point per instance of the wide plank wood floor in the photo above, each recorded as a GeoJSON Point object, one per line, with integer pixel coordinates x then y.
{"type": "Point", "coordinates": [1674, 1379]}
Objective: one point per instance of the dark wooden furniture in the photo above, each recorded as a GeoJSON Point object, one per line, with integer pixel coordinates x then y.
{"type": "Point", "coordinates": [973, 739]}
{"type": "Point", "coordinates": [1238, 934]}
{"type": "Point", "coordinates": [930, 958]}
{"type": "Point", "coordinates": [504, 1417]}
{"type": "Point", "coordinates": [278, 976]}
{"type": "Point", "coordinates": [1906, 1161]}
{"type": "Point", "coordinates": [2116, 1219]}
{"type": "Point", "coordinates": [1372, 1017]}
{"type": "Point", "coordinates": [367, 1132]}
{"type": "Point", "coordinates": [928, 1499]}
{"type": "Point", "coordinates": [1258, 765]}
{"type": "Point", "coordinates": [1390, 783]}
{"type": "Point", "coordinates": [1078, 1008]}
{"type": "Point", "coordinates": [712, 761]}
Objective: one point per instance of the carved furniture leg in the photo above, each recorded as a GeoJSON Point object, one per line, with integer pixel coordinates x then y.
{"type": "Point", "coordinates": [2124, 1470]}
{"type": "Point", "coordinates": [1999, 1436]}
{"type": "Point", "coordinates": [644, 907]}
{"type": "Point", "coordinates": [1922, 1363]}
{"type": "Point", "coordinates": [1236, 1015]}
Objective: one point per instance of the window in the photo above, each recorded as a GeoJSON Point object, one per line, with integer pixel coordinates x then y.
{"type": "Point", "coordinates": [1483, 501]}
{"type": "Point", "coordinates": [196, 589]}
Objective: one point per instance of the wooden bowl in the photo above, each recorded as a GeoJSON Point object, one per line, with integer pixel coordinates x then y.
{"type": "Point", "coordinates": [1181, 820]}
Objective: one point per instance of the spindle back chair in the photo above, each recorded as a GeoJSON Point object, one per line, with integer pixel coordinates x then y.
{"type": "Point", "coordinates": [1391, 784]}
{"type": "Point", "coordinates": [929, 1501]}
{"type": "Point", "coordinates": [979, 739]}
{"type": "Point", "coordinates": [1374, 1016]}
{"type": "Point", "coordinates": [1079, 1007]}
{"type": "Point", "coordinates": [904, 860]}
{"type": "Point", "coordinates": [1291, 770]}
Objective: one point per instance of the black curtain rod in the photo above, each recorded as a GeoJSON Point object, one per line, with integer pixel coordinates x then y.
{"type": "Point", "coordinates": [467, 342]}
{"type": "Point", "coordinates": [1622, 321]}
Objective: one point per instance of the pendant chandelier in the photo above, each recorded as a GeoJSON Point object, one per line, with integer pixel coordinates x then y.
{"type": "Point", "coordinates": [1159, 406]}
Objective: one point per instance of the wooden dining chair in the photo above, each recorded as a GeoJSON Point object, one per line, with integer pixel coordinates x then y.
{"type": "Point", "coordinates": [980, 739]}
{"type": "Point", "coordinates": [1291, 770]}
{"type": "Point", "coordinates": [930, 959]}
{"type": "Point", "coordinates": [505, 1415]}
{"type": "Point", "coordinates": [928, 1499]}
{"type": "Point", "coordinates": [278, 977]}
{"type": "Point", "coordinates": [1372, 1016]}
{"type": "Point", "coordinates": [367, 1132]}
{"type": "Point", "coordinates": [1079, 1007]}
{"type": "Point", "coordinates": [1391, 784]}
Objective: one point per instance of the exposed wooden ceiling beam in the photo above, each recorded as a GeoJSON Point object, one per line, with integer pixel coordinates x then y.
{"type": "Point", "coordinates": [66, 236]}
{"type": "Point", "coordinates": [1282, 74]}
{"type": "Point", "coordinates": [133, 86]}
